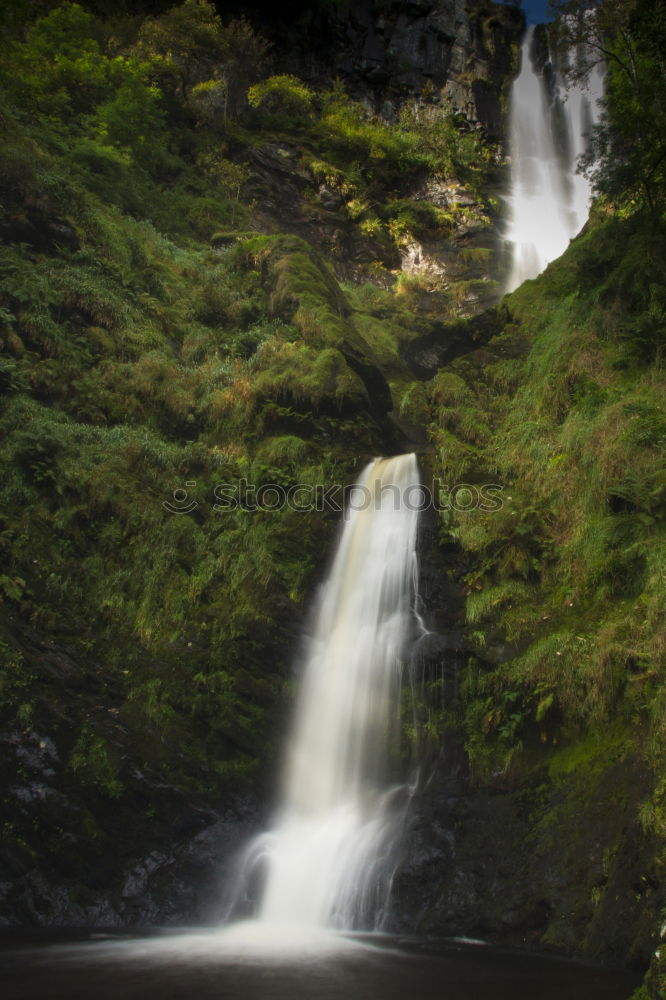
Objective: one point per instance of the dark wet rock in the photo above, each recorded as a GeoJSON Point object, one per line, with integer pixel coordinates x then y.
{"type": "Point", "coordinates": [512, 861]}
{"type": "Point", "coordinates": [39, 229]}
{"type": "Point", "coordinates": [278, 183]}
{"type": "Point", "coordinates": [194, 882]}
{"type": "Point", "coordinates": [289, 199]}
{"type": "Point", "coordinates": [461, 52]}
{"type": "Point", "coordinates": [441, 599]}
{"type": "Point", "coordinates": [426, 354]}
{"type": "Point", "coordinates": [472, 258]}
{"type": "Point", "coordinates": [329, 198]}
{"type": "Point", "coordinates": [540, 50]}
{"type": "Point", "coordinates": [72, 856]}
{"type": "Point", "coordinates": [371, 375]}
{"type": "Point", "coordinates": [281, 159]}
{"type": "Point", "coordinates": [182, 879]}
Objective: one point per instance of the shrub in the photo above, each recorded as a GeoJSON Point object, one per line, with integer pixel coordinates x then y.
{"type": "Point", "coordinates": [282, 95]}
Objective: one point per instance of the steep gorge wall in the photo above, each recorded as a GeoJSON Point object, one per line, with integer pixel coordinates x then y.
{"type": "Point", "coordinates": [544, 819]}
{"type": "Point", "coordinates": [460, 53]}
{"type": "Point", "coordinates": [447, 58]}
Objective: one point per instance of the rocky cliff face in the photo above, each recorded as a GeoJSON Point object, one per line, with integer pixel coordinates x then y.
{"type": "Point", "coordinates": [461, 53]}
{"type": "Point", "coordinates": [440, 60]}
{"type": "Point", "coordinates": [533, 859]}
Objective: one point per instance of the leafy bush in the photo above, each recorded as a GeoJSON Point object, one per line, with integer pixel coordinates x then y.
{"type": "Point", "coordinates": [282, 95]}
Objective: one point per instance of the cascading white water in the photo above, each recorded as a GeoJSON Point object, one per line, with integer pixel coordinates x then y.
{"type": "Point", "coordinates": [548, 201]}
{"type": "Point", "coordinates": [330, 856]}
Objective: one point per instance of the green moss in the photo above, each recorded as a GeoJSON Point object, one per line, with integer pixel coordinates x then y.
{"type": "Point", "coordinates": [590, 755]}
{"type": "Point", "coordinates": [558, 426]}
{"type": "Point", "coordinates": [421, 219]}
{"type": "Point", "coordinates": [563, 700]}
{"type": "Point", "coordinates": [94, 765]}
{"type": "Point", "coordinates": [136, 361]}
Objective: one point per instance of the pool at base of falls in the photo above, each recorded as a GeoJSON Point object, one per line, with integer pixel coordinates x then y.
{"type": "Point", "coordinates": [251, 962]}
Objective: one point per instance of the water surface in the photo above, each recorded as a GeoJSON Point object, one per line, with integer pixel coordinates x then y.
{"type": "Point", "coordinates": [199, 966]}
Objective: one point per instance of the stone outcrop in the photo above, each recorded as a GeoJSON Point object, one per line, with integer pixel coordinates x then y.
{"type": "Point", "coordinates": [181, 878]}
{"type": "Point", "coordinates": [467, 264]}
{"type": "Point", "coordinates": [457, 55]}
{"type": "Point", "coordinates": [462, 52]}
{"type": "Point", "coordinates": [525, 863]}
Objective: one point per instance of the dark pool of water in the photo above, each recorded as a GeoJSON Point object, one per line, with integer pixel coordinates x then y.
{"type": "Point", "coordinates": [199, 966]}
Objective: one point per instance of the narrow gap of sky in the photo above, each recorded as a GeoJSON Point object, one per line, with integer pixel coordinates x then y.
{"type": "Point", "coordinates": [535, 11]}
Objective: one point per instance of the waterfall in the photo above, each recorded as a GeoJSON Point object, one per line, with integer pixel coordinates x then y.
{"type": "Point", "coordinates": [329, 858]}
{"type": "Point", "coordinates": [548, 201]}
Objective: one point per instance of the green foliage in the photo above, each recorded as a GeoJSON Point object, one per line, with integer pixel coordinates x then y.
{"type": "Point", "coordinates": [133, 117]}
{"type": "Point", "coordinates": [421, 219]}
{"type": "Point", "coordinates": [93, 764]}
{"type": "Point", "coordinates": [485, 603]}
{"type": "Point", "coordinates": [17, 678]}
{"type": "Point", "coordinates": [414, 404]}
{"type": "Point", "coordinates": [282, 95]}
{"type": "Point", "coordinates": [450, 151]}
{"type": "Point", "coordinates": [187, 39]}
{"type": "Point", "coordinates": [135, 360]}
{"type": "Point", "coordinates": [209, 62]}
{"type": "Point", "coordinates": [627, 158]}
{"type": "Point", "coordinates": [565, 409]}
{"type": "Point", "coordinates": [61, 65]}
{"type": "Point", "coordinates": [364, 147]}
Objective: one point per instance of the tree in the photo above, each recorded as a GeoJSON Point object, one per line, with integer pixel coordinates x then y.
{"type": "Point", "coordinates": [133, 117]}
{"type": "Point", "coordinates": [247, 59]}
{"type": "Point", "coordinates": [189, 38]}
{"type": "Point", "coordinates": [228, 175]}
{"type": "Point", "coordinates": [628, 151]}
{"type": "Point", "coordinates": [192, 42]}
{"type": "Point", "coordinates": [60, 63]}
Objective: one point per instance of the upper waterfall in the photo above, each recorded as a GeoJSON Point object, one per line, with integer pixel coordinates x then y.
{"type": "Point", "coordinates": [548, 132]}
{"type": "Point", "coordinates": [329, 859]}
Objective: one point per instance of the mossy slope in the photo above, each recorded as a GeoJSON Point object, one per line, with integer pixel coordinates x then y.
{"type": "Point", "coordinates": [564, 583]}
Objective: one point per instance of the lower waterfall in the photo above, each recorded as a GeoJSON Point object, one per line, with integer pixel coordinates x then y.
{"type": "Point", "coordinates": [330, 855]}
{"type": "Point", "coordinates": [548, 132]}
{"type": "Point", "coordinates": [328, 861]}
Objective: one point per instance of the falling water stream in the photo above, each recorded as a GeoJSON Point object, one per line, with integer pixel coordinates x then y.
{"type": "Point", "coordinates": [548, 131]}
{"type": "Point", "coordinates": [330, 855]}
